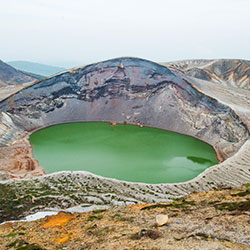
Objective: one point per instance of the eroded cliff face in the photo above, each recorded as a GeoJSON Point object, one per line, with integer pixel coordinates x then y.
{"type": "Point", "coordinates": [125, 90]}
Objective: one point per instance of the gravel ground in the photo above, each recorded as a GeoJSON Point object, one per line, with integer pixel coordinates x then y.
{"type": "Point", "coordinates": [218, 219]}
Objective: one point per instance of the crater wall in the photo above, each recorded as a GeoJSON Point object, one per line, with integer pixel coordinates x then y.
{"type": "Point", "coordinates": [122, 90]}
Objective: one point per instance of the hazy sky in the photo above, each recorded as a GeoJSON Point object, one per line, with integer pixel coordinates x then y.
{"type": "Point", "coordinates": [76, 32]}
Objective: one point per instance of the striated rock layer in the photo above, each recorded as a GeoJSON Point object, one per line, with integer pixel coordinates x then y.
{"type": "Point", "coordinates": [123, 90]}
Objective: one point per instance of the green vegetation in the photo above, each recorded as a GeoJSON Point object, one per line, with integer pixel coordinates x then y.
{"type": "Point", "coordinates": [243, 193]}
{"type": "Point", "coordinates": [231, 206]}
{"type": "Point", "coordinates": [177, 203]}
{"type": "Point", "coordinates": [98, 211]}
{"type": "Point", "coordinates": [94, 217]}
{"type": "Point", "coordinates": [23, 245]}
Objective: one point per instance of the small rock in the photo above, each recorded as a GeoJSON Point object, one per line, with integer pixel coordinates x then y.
{"type": "Point", "coordinates": [152, 234]}
{"type": "Point", "coordinates": [161, 219]}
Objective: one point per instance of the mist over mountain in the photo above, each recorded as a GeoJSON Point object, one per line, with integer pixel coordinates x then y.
{"type": "Point", "coordinates": [36, 68]}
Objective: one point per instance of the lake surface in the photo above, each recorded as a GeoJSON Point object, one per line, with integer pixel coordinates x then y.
{"type": "Point", "coordinates": [123, 152]}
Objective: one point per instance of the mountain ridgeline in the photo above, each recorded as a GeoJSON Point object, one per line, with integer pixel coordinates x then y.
{"type": "Point", "coordinates": [36, 68]}
{"type": "Point", "coordinates": [227, 72]}
{"type": "Point", "coordinates": [12, 76]}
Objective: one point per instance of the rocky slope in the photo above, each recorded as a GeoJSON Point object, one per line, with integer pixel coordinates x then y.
{"type": "Point", "coordinates": [226, 72]}
{"type": "Point", "coordinates": [218, 219]}
{"type": "Point", "coordinates": [11, 76]}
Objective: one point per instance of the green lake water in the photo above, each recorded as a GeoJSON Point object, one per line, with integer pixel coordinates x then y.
{"type": "Point", "coordinates": [123, 152]}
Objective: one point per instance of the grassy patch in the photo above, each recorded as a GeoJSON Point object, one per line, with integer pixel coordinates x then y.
{"type": "Point", "coordinates": [231, 206]}
{"type": "Point", "coordinates": [243, 193]}
{"type": "Point", "coordinates": [23, 245]}
{"type": "Point", "coordinates": [91, 227]}
{"type": "Point", "coordinates": [177, 203]}
{"type": "Point", "coordinates": [115, 215]}
{"type": "Point", "coordinates": [98, 211]}
{"type": "Point", "coordinates": [101, 232]}
{"type": "Point", "coordinates": [94, 217]}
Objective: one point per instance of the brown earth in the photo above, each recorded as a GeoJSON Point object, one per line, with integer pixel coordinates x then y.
{"type": "Point", "coordinates": [218, 219]}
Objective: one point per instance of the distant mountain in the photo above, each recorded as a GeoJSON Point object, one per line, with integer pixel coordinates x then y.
{"type": "Point", "coordinates": [10, 75]}
{"type": "Point", "coordinates": [36, 76]}
{"type": "Point", "coordinates": [228, 72]}
{"type": "Point", "coordinates": [36, 68]}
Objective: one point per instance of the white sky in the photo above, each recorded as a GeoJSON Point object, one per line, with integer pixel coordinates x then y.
{"type": "Point", "coordinates": [76, 32]}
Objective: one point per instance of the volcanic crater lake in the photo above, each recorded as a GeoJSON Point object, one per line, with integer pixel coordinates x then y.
{"type": "Point", "coordinates": [123, 152]}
